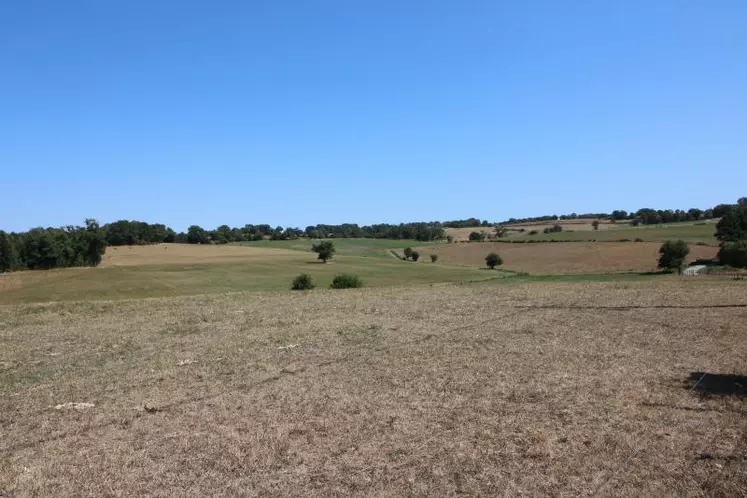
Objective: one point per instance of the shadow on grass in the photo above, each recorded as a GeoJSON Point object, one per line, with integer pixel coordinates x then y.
{"type": "Point", "coordinates": [711, 384]}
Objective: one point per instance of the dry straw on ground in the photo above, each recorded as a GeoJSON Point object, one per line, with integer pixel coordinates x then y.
{"type": "Point", "coordinates": [536, 389]}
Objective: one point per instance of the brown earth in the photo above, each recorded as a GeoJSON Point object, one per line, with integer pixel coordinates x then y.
{"type": "Point", "coordinates": [562, 257]}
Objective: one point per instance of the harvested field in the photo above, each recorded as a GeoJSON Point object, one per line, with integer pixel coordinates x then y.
{"type": "Point", "coordinates": [536, 389]}
{"type": "Point", "coordinates": [168, 254]}
{"type": "Point", "coordinates": [563, 257]}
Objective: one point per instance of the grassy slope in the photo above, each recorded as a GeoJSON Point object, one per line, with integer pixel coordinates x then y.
{"type": "Point", "coordinates": [174, 280]}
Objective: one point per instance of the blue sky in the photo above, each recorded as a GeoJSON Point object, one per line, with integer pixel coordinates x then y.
{"type": "Point", "coordinates": [329, 111]}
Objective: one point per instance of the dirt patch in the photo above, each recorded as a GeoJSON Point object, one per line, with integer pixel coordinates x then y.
{"type": "Point", "coordinates": [563, 257]}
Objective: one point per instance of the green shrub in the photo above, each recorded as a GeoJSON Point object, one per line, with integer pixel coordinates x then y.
{"type": "Point", "coordinates": [733, 254]}
{"type": "Point", "coordinates": [303, 282]}
{"type": "Point", "coordinates": [449, 239]}
{"type": "Point", "coordinates": [533, 232]}
{"type": "Point", "coordinates": [493, 259]}
{"type": "Point", "coordinates": [415, 255]}
{"type": "Point", "coordinates": [408, 252]}
{"type": "Point", "coordinates": [344, 281]}
{"type": "Point", "coordinates": [434, 258]}
{"type": "Point", "coordinates": [477, 236]}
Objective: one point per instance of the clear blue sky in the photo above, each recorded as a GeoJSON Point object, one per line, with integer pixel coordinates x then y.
{"type": "Point", "coordinates": [326, 111]}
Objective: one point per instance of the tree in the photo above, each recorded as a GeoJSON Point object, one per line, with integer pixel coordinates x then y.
{"type": "Point", "coordinates": [197, 235]}
{"type": "Point", "coordinates": [434, 258]}
{"type": "Point", "coordinates": [6, 252]}
{"type": "Point", "coordinates": [477, 236]}
{"type": "Point", "coordinates": [672, 254]}
{"type": "Point", "coordinates": [501, 231]}
{"type": "Point", "coordinates": [733, 225]}
{"type": "Point", "coordinates": [595, 224]}
{"type": "Point", "coordinates": [407, 252]}
{"type": "Point", "coordinates": [449, 239]}
{"type": "Point", "coordinates": [742, 201]}
{"type": "Point", "coordinates": [95, 245]}
{"type": "Point", "coordinates": [721, 209]}
{"type": "Point", "coordinates": [324, 250]}
{"type": "Point", "coordinates": [493, 260]}
{"type": "Point", "coordinates": [733, 254]}
{"type": "Point", "coordinates": [415, 255]}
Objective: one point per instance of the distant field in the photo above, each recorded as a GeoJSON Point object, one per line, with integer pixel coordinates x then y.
{"type": "Point", "coordinates": [570, 257]}
{"type": "Point", "coordinates": [346, 247]}
{"type": "Point", "coordinates": [690, 232]}
{"type": "Point", "coordinates": [174, 270]}
{"type": "Point", "coordinates": [542, 389]}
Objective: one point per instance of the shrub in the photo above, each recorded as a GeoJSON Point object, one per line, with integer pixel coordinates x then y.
{"type": "Point", "coordinates": [303, 282]}
{"type": "Point", "coordinates": [534, 232]}
{"type": "Point", "coordinates": [434, 258]}
{"type": "Point", "coordinates": [477, 236]}
{"type": "Point", "coordinates": [595, 224]}
{"type": "Point", "coordinates": [555, 228]}
{"type": "Point", "coordinates": [344, 281]}
{"type": "Point", "coordinates": [672, 254]}
{"type": "Point", "coordinates": [734, 254]}
{"type": "Point", "coordinates": [493, 260]}
{"type": "Point", "coordinates": [325, 250]}
{"type": "Point", "coordinates": [415, 255]}
{"type": "Point", "coordinates": [408, 252]}
{"type": "Point", "coordinates": [638, 239]}
{"type": "Point", "coordinates": [449, 239]}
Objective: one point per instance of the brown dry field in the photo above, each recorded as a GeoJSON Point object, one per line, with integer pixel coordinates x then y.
{"type": "Point", "coordinates": [551, 389]}
{"type": "Point", "coordinates": [168, 254]}
{"type": "Point", "coordinates": [563, 257]}
{"type": "Point", "coordinates": [460, 234]}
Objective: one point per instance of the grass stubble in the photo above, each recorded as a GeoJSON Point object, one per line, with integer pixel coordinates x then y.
{"type": "Point", "coordinates": [531, 389]}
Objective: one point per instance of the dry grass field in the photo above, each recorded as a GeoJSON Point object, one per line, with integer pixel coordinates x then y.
{"type": "Point", "coordinates": [575, 230]}
{"type": "Point", "coordinates": [476, 390]}
{"type": "Point", "coordinates": [563, 257]}
{"type": "Point", "coordinates": [167, 254]}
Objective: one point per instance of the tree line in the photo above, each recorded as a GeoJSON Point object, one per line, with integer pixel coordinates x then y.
{"type": "Point", "coordinates": [643, 216]}
{"type": "Point", "coordinates": [47, 248]}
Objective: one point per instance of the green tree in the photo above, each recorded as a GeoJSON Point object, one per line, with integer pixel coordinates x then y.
{"type": "Point", "coordinates": [6, 252]}
{"type": "Point", "coordinates": [672, 254]}
{"type": "Point", "coordinates": [477, 236]}
{"type": "Point", "coordinates": [434, 258]}
{"type": "Point", "coordinates": [324, 250]}
{"type": "Point", "coordinates": [95, 245]}
{"type": "Point", "coordinates": [408, 252]}
{"type": "Point", "coordinates": [733, 225]}
{"type": "Point", "coordinates": [733, 254]}
{"type": "Point", "coordinates": [493, 259]}
{"type": "Point", "coordinates": [197, 235]}
{"type": "Point", "coordinates": [415, 255]}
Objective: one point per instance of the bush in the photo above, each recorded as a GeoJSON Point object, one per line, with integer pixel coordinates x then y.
{"type": "Point", "coordinates": [408, 253]}
{"type": "Point", "coordinates": [449, 239]}
{"type": "Point", "coordinates": [534, 232]}
{"type": "Point", "coordinates": [555, 229]}
{"type": "Point", "coordinates": [734, 254]}
{"type": "Point", "coordinates": [477, 236]}
{"type": "Point", "coordinates": [302, 282]}
{"type": "Point", "coordinates": [638, 239]}
{"type": "Point", "coordinates": [325, 250]}
{"type": "Point", "coordinates": [434, 258]}
{"type": "Point", "coordinates": [346, 282]}
{"type": "Point", "coordinates": [493, 260]}
{"type": "Point", "coordinates": [415, 255]}
{"type": "Point", "coordinates": [672, 255]}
